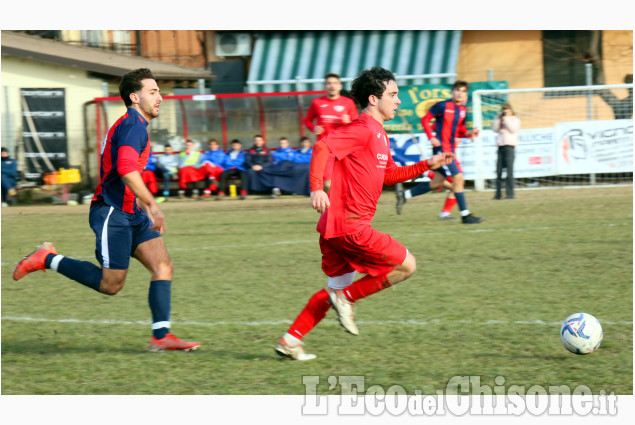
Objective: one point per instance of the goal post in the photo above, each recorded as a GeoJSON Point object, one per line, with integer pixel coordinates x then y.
{"type": "Point", "coordinates": [577, 135]}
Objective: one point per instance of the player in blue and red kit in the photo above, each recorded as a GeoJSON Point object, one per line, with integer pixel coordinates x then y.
{"type": "Point", "coordinates": [449, 116]}
{"type": "Point", "coordinates": [124, 216]}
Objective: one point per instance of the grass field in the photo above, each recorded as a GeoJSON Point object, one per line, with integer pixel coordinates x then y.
{"type": "Point", "coordinates": [485, 300]}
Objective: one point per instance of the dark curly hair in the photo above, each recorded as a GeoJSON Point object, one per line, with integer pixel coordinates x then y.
{"type": "Point", "coordinates": [131, 82]}
{"type": "Point", "coordinates": [370, 82]}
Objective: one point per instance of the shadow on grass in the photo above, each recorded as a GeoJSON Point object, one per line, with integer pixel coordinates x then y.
{"type": "Point", "coordinates": [564, 356]}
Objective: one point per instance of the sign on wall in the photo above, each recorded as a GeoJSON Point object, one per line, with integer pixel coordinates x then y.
{"type": "Point", "coordinates": [43, 131]}
{"type": "Point", "coordinates": [417, 100]}
{"type": "Point", "coordinates": [595, 147]}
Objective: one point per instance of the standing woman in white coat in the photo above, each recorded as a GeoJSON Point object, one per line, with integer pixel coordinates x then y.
{"type": "Point", "coordinates": [506, 124]}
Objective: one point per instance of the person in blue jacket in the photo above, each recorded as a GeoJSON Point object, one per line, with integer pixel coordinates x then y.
{"type": "Point", "coordinates": [9, 176]}
{"type": "Point", "coordinates": [234, 166]}
{"type": "Point", "coordinates": [303, 154]}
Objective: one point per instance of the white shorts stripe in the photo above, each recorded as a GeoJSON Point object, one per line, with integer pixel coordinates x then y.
{"type": "Point", "coordinates": [104, 241]}
{"type": "Point", "coordinates": [159, 325]}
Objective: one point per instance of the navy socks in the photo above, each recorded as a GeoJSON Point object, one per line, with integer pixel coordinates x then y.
{"type": "Point", "coordinates": [159, 298]}
{"type": "Point", "coordinates": [83, 272]}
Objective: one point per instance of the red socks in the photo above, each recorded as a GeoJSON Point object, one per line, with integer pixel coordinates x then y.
{"type": "Point", "coordinates": [368, 285]}
{"type": "Point", "coordinates": [449, 204]}
{"type": "Point", "coordinates": [313, 312]}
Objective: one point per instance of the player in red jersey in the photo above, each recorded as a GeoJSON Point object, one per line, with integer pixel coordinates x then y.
{"type": "Point", "coordinates": [330, 112]}
{"type": "Point", "coordinates": [124, 216]}
{"type": "Point", "coordinates": [348, 243]}
{"type": "Point", "coordinates": [449, 126]}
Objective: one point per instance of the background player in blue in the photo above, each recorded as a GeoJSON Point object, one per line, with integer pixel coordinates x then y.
{"type": "Point", "coordinates": [449, 124]}
{"type": "Point", "coordinates": [124, 216]}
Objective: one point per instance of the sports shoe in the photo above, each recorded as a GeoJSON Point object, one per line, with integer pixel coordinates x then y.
{"type": "Point", "coordinates": [170, 342]}
{"type": "Point", "coordinates": [195, 194]}
{"type": "Point", "coordinates": [220, 196]}
{"type": "Point", "coordinates": [181, 194]}
{"type": "Point", "coordinates": [275, 192]}
{"type": "Point", "coordinates": [206, 194]}
{"type": "Point", "coordinates": [470, 219]}
{"type": "Point", "coordinates": [160, 200]}
{"type": "Point", "coordinates": [446, 217]}
{"type": "Point", "coordinates": [401, 199]}
{"type": "Point", "coordinates": [34, 261]}
{"type": "Point", "coordinates": [345, 311]}
{"type": "Point", "coordinates": [295, 352]}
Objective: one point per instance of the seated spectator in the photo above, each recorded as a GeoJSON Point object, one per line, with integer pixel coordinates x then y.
{"type": "Point", "coordinates": [284, 152]}
{"type": "Point", "coordinates": [193, 168]}
{"type": "Point", "coordinates": [167, 167]}
{"type": "Point", "coordinates": [149, 176]}
{"type": "Point", "coordinates": [9, 178]}
{"type": "Point", "coordinates": [303, 154]}
{"type": "Point", "coordinates": [290, 176]}
{"type": "Point", "coordinates": [234, 166]}
{"type": "Point", "coordinates": [258, 158]}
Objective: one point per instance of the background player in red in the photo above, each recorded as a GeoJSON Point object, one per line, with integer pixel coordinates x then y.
{"type": "Point", "coordinates": [330, 112]}
{"type": "Point", "coordinates": [449, 124]}
{"type": "Point", "coordinates": [347, 241]}
{"type": "Point", "coordinates": [124, 216]}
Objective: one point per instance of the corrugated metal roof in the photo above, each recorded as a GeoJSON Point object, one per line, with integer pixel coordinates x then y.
{"type": "Point", "coordinates": [308, 55]}
{"type": "Point", "coordinates": [92, 59]}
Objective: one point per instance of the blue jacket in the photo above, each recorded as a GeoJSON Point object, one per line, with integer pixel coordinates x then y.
{"type": "Point", "coordinates": [285, 154]}
{"type": "Point", "coordinates": [302, 157]}
{"type": "Point", "coordinates": [152, 163]}
{"type": "Point", "coordinates": [238, 162]}
{"type": "Point", "coordinates": [9, 172]}
{"type": "Point", "coordinates": [215, 157]}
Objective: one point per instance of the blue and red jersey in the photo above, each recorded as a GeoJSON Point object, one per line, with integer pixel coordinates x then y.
{"type": "Point", "coordinates": [126, 149]}
{"type": "Point", "coordinates": [449, 123]}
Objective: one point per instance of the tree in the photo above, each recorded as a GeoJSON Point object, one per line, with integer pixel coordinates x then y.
{"type": "Point", "coordinates": [622, 108]}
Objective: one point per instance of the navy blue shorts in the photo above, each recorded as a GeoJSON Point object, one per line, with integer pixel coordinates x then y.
{"type": "Point", "coordinates": [451, 169]}
{"type": "Point", "coordinates": [118, 234]}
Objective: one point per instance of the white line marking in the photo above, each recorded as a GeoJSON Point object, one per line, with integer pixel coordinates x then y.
{"type": "Point", "coordinates": [288, 322]}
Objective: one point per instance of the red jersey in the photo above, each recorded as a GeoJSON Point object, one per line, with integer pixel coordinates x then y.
{"type": "Point", "coordinates": [329, 113]}
{"type": "Point", "coordinates": [362, 152]}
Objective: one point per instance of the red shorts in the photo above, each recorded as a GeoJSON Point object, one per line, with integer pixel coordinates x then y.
{"type": "Point", "coordinates": [369, 251]}
{"type": "Point", "coordinates": [328, 169]}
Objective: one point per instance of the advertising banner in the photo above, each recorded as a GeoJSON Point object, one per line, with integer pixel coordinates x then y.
{"type": "Point", "coordinates": [417, 100]}
{"type": "Point", "coordinates": [535, 154]}
{"type": "Point", "coordinates": [595, 147]}
{"type": "Point", "coordinates": [44, 131]}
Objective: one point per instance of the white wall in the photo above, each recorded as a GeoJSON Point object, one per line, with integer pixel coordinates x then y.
{"type": "Point", "coordinates": [20, 73]}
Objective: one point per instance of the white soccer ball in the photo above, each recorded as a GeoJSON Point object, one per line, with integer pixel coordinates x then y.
{"type": "Point", "coordinates": [581, 333]}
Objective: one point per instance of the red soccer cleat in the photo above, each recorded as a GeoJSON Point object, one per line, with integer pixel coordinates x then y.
{"type": "Point", "coordinates": [170, 342]}
{"type": "Point", "coordinates": [34, 261]}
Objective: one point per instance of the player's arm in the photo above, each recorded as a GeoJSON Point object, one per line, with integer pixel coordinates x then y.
{"type": "Point", "coordinates": [395, 174]}
{"type": "Point", "coordinates": [319, 198]}
{"type": "Point", "coordinates": [310, 116]}
{"type": "Point", "coordinates": [427, 127]}
{"type": "Point", "coordinates": [127, 159]}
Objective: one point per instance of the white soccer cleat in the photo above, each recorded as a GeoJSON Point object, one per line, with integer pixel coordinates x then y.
{"type": "Point", "coordinates": [345, 311]}
{"type": "Point", "coordinates": [295, 352]}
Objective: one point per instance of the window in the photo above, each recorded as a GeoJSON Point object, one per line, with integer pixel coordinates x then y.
{"type": "Point", "coordinates": [565, 54]}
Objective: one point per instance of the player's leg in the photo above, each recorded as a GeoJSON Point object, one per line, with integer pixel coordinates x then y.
{"type": "Point", "coordinates": [450, 200]}
{"type": "Point", "coordinates": [112, 251]}
{"type": "Point", "coordinates": [385, 262]}
{"type": "Point", "coordinates": [342, 275]}
{"type": "Point", "coordinates": [152, 253]}
{"type": "Point", "coordinates": [466, 215]}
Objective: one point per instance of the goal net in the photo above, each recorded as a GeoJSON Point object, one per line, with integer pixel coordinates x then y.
{"type": "Point", "coordinates": [579, 135]}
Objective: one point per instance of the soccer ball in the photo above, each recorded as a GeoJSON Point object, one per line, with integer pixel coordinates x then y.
{"type": "Point", "coordinates": [581, 333]}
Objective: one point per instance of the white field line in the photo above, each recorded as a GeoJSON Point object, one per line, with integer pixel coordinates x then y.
{"type": "Point", "coordinates": [265, 244]}
{"type": "Point", "coordinates": [288, 322]}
